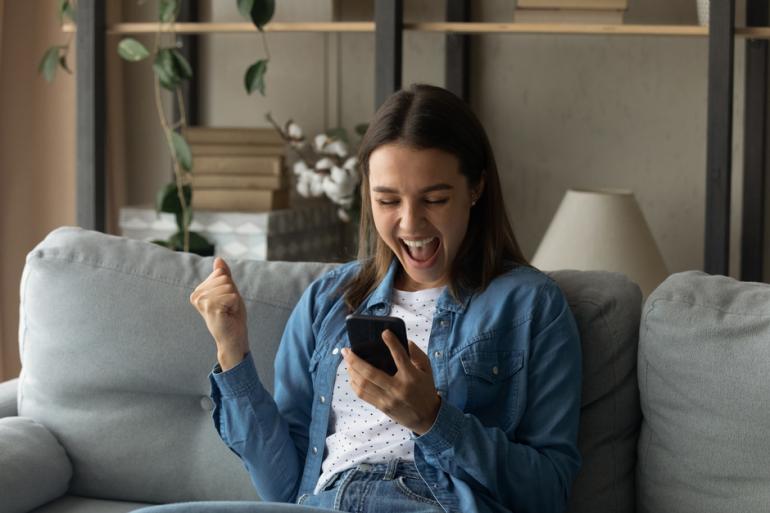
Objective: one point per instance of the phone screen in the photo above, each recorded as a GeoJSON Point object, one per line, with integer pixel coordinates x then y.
{"type": "Point", "coordinates": [365, 334]}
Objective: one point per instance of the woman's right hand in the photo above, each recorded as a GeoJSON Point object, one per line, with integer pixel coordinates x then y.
{"type": "Point", "coordinates": [221, 306]}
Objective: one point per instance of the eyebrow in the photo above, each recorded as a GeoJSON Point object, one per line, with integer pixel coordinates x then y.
{"type": "Point", "coordinates": [430, 188]}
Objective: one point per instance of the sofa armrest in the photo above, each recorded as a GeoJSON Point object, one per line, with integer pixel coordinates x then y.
{"type": "Point", "coordinates": [35, 466]}
{"type": "Point", "coordinates": [8, 394]}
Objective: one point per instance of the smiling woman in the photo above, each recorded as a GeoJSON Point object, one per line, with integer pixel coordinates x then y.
{"type": "Point", "coordinates": [481, 414]}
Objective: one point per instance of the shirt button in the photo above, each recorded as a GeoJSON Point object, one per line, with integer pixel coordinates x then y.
{"type": "Point", "coordinates": [437, 354]}
{"type": "Point", "coordinates": [495, 370]}
{"type": "Point", "coordinates": [323, 398]}
{"type": "Point", "coordinates": [315, 450]}
{"type": "Point", "coordinates": [206, 403]}
{"type": "Point", "coordinates": [444, 323]}
{"type": "Point", "coordinates": [336, 350]}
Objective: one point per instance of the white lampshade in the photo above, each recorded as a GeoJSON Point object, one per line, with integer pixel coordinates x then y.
{"type": "Point", "coordinates": [602, 230]}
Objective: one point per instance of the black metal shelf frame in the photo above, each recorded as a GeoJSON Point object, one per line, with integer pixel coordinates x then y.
{"type": "Point", "coordinates": [388, 18]}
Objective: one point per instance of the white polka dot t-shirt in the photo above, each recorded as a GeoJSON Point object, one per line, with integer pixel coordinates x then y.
{"type": "Point", "coordinates": [360, 433]}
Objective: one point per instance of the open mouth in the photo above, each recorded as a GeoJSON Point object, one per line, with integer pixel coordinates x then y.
{"type": "Point", "coordinates": [421, 250]}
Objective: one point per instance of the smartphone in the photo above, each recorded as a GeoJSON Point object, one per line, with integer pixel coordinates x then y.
{"type": "Point", "coordinates": [365, 334]}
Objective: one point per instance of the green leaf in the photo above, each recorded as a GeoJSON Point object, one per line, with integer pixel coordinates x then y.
{"type": "Point", "coordinates": [49, 63]}
{"type": "Point", "coordinates": [63, 64]}
{"type": "Point", "coordinates": [182, 221]}
{"type": "Point", "coordinates": [132, 50]}
{"type": "Point", "coordinates": [165, 69]}
{"type": "Point", "coordinates": [182, 151]}
{"type": "Point", "coordinates": [182, 67]}
{"type": "Point", "coordinates": [361, 129]}
{"type": "Point", "coordinates": [167, 199]}
{"type": "Point", "coordinates": [255, 77]}
{"type": "Point", "coordinates": [338, 133]}
{"type": "Point", "coordinates": [66, 10]}
{"type": "Point", "coordinates": [198, 243]}
{"type": "Point", "coordinates": [245, 6]}
{"type": "Point", "coordinates": [163, 243]}
{"type": "Point", "coordinates": [167, 10]}
{"type": "Point", "coordinates": [260, 12]}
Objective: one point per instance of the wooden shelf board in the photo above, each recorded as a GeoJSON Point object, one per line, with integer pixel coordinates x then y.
{"type": "Point", "coordinates": [438, 27]}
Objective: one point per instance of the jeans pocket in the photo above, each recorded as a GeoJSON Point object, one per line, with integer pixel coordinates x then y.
{"type": "Point", "coordinates": [415, 489]}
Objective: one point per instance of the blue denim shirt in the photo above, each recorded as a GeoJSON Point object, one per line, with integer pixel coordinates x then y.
{"type": "Point", "coordinates": [506, 362]}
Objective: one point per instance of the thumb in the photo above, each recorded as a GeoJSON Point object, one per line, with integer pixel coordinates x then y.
{"type": "Point", "coordinates": [418, 357]}
{"type": "Point", "coordinates": [219, 263]}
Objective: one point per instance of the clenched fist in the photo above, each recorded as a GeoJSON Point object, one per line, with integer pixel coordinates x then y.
{"type": "Point", "coordinates": [221, 306]}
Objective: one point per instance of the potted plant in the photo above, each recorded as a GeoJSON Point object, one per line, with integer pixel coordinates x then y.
{"type": "Point", "coordinates": [171, 70]}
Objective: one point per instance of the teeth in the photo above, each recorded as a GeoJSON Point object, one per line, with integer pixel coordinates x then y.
{"type": "Point", "coordinates": [417, 243]}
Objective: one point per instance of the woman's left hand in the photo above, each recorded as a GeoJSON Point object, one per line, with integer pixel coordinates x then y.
{"type": "Point", "coordinates": [409, 397]}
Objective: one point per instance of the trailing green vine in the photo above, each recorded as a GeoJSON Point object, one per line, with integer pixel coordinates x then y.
{"type": "Point", "coordinates": [171, 70]}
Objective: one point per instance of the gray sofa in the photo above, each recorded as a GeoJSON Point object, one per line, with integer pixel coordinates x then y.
{"type": "Point", "coordinates": [111, 410]}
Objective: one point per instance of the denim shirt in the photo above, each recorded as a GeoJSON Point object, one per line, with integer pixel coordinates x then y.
{"type": "Point", "coordinates": [506, 362]}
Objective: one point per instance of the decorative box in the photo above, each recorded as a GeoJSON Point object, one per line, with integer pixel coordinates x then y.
{"type": "Point", "coordinates": [313, 233]}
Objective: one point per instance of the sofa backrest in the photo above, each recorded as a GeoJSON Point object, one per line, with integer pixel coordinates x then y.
{"type": "Point", "coordinates": [115, 363]}
{"type": "Point", "coordinates": [704, 367]}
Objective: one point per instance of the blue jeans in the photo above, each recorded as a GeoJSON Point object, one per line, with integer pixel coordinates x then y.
{"type": "Point", "coordinates": [393, 487]}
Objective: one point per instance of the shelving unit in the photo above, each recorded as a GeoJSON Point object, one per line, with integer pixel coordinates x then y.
{"type": "Point", "coordinates": [439, 27]}
{"type": "Point", "coordinates": [388, 27]}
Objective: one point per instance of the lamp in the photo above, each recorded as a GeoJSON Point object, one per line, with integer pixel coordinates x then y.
{"type": "Point", "coordinates": [602, 230]}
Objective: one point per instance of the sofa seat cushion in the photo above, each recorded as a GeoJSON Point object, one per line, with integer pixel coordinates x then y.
{"type": "Point", "coordinates": [73, 504]}
{"type": "Point", "coordinates": [704, 362]}
{"type": "Point", "coordinates": [34, 468]}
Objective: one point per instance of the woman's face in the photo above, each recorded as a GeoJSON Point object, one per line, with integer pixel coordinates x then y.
{"type": "Point", "coordinates": [421, 205]}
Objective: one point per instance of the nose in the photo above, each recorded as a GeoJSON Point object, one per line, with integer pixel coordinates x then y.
{"type": "Point", "coordinates": [412, 217]}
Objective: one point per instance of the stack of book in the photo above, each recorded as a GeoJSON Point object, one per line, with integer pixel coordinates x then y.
{"type": "Point", "coordinates": [570, 11]}
{"type": "Point", "coordinates": [238, 169]}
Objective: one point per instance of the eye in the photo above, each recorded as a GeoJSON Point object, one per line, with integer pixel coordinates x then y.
{"type": "Point", "coordinates": [386, 203]}
{"type": "Point", "coordinates": [440, 201]}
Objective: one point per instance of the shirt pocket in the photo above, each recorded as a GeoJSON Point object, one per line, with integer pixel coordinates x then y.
{"type": "Point", "coordinates": [493, 379]}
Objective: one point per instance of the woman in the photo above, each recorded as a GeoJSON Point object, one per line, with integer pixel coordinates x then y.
{"type": "Point", "coordinates": [482, 414]}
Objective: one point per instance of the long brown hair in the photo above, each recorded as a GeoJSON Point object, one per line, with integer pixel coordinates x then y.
{"type": "Point", "coordinates": [425, 117]}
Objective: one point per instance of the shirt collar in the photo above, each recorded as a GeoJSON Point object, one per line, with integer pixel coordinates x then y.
{"type": "Point", "coordinates": [382, 295]}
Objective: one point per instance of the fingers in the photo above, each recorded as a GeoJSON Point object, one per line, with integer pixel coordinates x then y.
{"type": "Point", "coordinates": [419, 358]}
{"type": "Point", "coordinates": [396, 349]}
{"type": "Point", "coordinates": [219, 263]}
{"type": "Point", "coordinates": [364, 369]}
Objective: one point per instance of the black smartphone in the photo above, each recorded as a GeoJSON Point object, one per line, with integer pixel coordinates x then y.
{"type": "Point", "coordinates": [365, 334]}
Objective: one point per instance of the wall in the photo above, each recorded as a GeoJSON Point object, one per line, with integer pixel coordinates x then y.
{"type": "Point", "coordinates": [37, 153]}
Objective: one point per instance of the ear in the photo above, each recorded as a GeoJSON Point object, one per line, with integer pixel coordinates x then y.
{"type": "Point", "coordinates": [479, 189]}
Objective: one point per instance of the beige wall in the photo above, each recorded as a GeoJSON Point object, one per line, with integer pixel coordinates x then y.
{"type": "Point", "coordinates": [37, 153]}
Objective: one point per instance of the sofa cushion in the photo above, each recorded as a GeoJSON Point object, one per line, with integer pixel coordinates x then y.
{"type": "Point", "coordinates": [115, 362]}
{"type": "Point", "coordinates": [35, 468]}
{"type": "Point", "coordinates": [704, 362]}
{"type": "Point", "coordinates": [73, 504]}
{"type": "Point", "coordinates": [607, 307]}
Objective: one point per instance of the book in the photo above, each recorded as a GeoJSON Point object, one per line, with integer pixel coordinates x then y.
{"type": "Point", "coordinates": [238, 149]}
{"type": "Point", "coordinates": [240, 200]}
{"type": "Point", "coordinates": [568, 16]}
{"type": "Point", "coordinates": [232, 135]}
{"type": "Point", "coordinates": [238, 164]}
{"type": "Point", "coordinates": [612, 5]}
{"type": "Point", "coordinates": [235, 181]}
